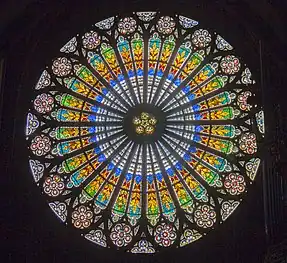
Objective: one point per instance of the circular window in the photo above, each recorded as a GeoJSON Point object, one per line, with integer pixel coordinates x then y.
{"type": "Point", "coordinates": [144, 132]}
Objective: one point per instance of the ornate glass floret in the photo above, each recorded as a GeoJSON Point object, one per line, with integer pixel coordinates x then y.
{"type": "Point", "coordinates": [144, 124]}
{"type": "Point", "coordinates": [145, 132]}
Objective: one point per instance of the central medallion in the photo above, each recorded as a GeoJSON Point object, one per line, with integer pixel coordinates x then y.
{"type": "Point", "coordinates": [145, 123]}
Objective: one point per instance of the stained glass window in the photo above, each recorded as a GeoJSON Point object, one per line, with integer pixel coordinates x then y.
{"type": "Point", "coordinates": [145, 131]}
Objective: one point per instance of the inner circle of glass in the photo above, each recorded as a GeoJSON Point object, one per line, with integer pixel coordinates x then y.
{"type": "Point", "coordinates": [144, 132]}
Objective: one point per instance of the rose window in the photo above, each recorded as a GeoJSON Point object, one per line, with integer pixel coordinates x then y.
{"type": "Point", "coordinates": [144, 132]}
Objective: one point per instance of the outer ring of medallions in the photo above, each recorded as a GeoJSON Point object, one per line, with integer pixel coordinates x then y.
{"type": "Point", "coordinates": [135, 111]}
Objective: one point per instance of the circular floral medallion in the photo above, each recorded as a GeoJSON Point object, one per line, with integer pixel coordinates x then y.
{"type": "Point", "coordinates": [248, 143]}
{"type": "Point", "coordinates": [201, 38]}
{"type": "Point", "coordinates": [62, 67]}
{"type": "Point", "coordinates": [121, 235]}
{"type": "Point", "coordinates": [53, 186]}
{"type": "Point", "coordinates": [91, 40]}
{"type": "Point", "coordinates": [40, 145]}
{"type": "Point", "coordinates": [127, 25]}
{"type": "Point", "coordinates": [205, 216]}
{"type": "Point", "coordinates": [165, 25]}
{"type": "Point", "coordinates": [141, 132]}
{"type": "Point", "coordinates": [44, 103]}
{"type": "Point", "coordinates": [230, 64]}
{"type": "Point", "coordinates": [242, 101]}
{"type": "Point", "coordinates": [165, 235]}
{"type": "Point", "coordinates": [82, 217]}
{"type": "Point", "coordinates": [234, 184]}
